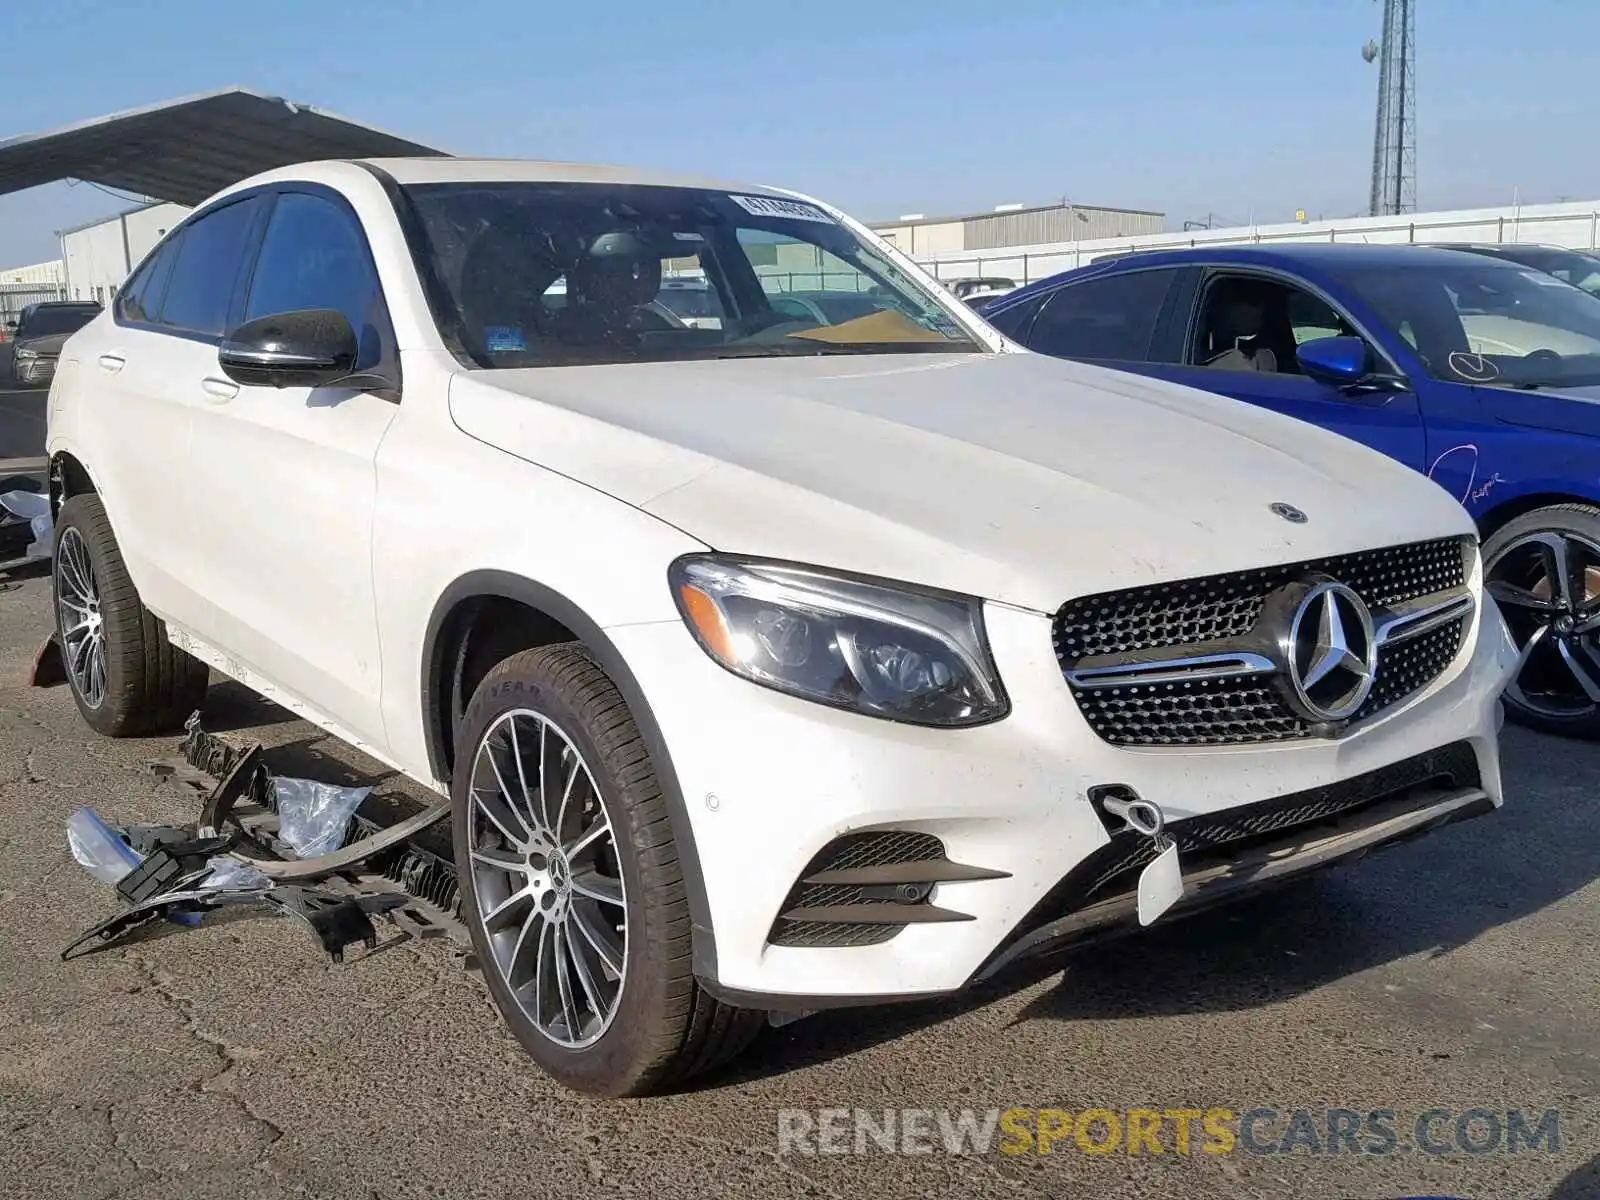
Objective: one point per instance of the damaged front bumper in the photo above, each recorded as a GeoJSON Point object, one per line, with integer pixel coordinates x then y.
{"type": "Point", "coordinates": [1213, 879]}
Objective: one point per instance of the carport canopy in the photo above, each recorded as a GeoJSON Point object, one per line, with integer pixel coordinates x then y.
{"type": "Point", "coordinates": [185, 150]}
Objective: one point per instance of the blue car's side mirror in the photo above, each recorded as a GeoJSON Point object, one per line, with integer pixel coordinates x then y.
{"type": "Point", "coordinates": [1338, 361]}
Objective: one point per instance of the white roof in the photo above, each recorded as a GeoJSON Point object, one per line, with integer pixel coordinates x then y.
{"type": "Point", "coordinates": [518, 170]}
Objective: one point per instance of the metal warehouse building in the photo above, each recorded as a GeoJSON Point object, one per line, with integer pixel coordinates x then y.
{"type": "Point", "coordinates": [1017, 225]}
{"type": "Point", "coordinates": [97, 257]}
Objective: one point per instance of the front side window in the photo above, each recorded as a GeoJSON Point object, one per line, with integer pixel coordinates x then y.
{"type": "Point", "coordinates": [542, 274]}
{"type": "Point", "coordinates": [1485, 322]}
{"type": "Point", "coordinates": [209, 256]}
{"type": "Point", "coordinates": [1250, 323]}
{"type": "Point", "coordinates": [314, 255]}
{"type": "Point", "coordinates": [1110, 317]}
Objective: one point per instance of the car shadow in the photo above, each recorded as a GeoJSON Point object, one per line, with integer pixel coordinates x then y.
{"type": "Point", "coordinates": [233, 708]}
{"type": "Point", "coordinates": [1582, 1184]}
{"type": "Point", "coordinates": [1431, 896]}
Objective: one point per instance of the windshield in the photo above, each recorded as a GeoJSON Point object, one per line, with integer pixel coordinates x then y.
{"type": "Point", "coordinates": [1580, 270]}
{"type": "Point", "coordinates": [1487, 322]}
{"type": "Point", "coordinates": [47, 322]}
{"type": "Point", "coordinates": [546, 274]}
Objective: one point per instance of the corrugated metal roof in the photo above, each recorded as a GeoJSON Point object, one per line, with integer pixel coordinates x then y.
{"type": "Point", "coordinates": [184, 150]}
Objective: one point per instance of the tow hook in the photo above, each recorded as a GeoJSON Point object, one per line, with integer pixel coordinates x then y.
{"type": "Point", "coordinates": [1161, 881]}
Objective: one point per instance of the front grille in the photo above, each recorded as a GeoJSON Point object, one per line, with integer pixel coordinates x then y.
{"type": "Point", "coordinates": [1411, 666]}
{"type": "Point", "coordinates": [1248, 708]}
{"type": "Point", "coordinates": [38, 370]}
{"type": "Point", "coordinates": [1226, 835]}
{"type": "Point", "coordinates": [1226, 606]}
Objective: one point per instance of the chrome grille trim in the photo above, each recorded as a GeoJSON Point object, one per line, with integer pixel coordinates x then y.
{"type": "Point", "coordinates": [1143, 683]}
{"type": "Point", "coordinates": [1182, 669]}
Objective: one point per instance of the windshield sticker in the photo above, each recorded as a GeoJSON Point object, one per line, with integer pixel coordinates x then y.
{"type": "Point", "coordinates": [771, 206]}
{"type": "Point", "coordinates": [1474, 368]}
{"type": "Point", "coordinates": [1544, 280]}
{"type": "Point", "coordinates": [501, 339]}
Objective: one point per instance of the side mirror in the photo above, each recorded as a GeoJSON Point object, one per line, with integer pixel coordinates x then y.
{"type": "Point", "coordinates": [1336, 361]}
{"type": "Point", "coordinates": [313, 348]}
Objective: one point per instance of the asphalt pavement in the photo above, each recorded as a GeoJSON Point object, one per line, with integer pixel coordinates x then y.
{"type": "Point", "coordinates": [1454, 974]}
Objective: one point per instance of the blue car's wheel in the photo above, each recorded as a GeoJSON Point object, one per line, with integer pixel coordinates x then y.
{"type": "Point", "coordinates": [1543, 569]}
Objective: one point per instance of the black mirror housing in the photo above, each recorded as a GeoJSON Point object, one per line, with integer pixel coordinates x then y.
{"type": "Point", "coordinates": [312, 348]}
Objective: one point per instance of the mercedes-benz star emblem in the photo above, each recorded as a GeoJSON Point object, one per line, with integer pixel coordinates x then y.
{"type": "Point", "coordinates": [1288, 512]}
{"type": "Point", "coordinates": [1332, 652]}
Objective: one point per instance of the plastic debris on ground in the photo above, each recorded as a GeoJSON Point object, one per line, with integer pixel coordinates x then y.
{"type": "Point", "coordinates": [314, 817]}
{"type": "Point", "coordinates": [181, 872]}
{"type": "Point", "coordinates": [98, 848]}
{"type": "Point", "coordinates": [34, 508]}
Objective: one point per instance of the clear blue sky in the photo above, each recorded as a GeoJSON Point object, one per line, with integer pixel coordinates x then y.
{"type": "Point", "coordinates": [1237, 107]}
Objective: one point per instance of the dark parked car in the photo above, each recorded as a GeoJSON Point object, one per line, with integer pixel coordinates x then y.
{"type": "Point", "coordinates": [1478, 371]}
{"type": "Point", "coordinates": [36, 340]}
{"type": "Point", "coordinates": [1581, 268]}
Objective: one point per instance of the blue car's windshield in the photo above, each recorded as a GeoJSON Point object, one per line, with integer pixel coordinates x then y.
{"type": "Point", "coordinates": [1486, 322]}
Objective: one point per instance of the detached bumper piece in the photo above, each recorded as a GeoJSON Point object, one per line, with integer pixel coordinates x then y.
{"type": "Point", "coordinates": [863, 888]}
{"type": "Point", "coordinates": [179, 873]}
{"type": "Point", "coordinates": [1232, 853]}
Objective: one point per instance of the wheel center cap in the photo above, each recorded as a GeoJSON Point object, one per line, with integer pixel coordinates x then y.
{"type": "Point", "coordinates": [1563, 624]}
{"type": "Point", "coordinates": [560, 874]}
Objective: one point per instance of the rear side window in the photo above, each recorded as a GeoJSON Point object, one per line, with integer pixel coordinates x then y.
{"type": "Point", "coordinates": [140, 298]}
{"type": "Point", "coordinates": [313, 255]}
{"type": "Point", "coordinates": [200, 292]}
{"type": "Point", "coordinates": [1110, 317]}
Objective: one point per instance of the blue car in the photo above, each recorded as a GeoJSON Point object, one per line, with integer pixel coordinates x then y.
{"type": "Point", "coordinates": [1480, 372]}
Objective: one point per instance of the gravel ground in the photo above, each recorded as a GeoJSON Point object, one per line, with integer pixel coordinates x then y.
{"type": "Point", "coordinates": [234, 1061]}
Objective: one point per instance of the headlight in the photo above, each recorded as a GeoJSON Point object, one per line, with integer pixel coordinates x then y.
{"type": "Point", "coordinates": [885, 651]}
{"type": "Point", "coordinates": [20, 353]}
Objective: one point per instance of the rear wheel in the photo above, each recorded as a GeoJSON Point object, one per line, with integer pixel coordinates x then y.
{"type": "Point", "coordinates": [1543, 569]}
{"type": "Point", "coordinates": [127, 679]}
{"type": "Point", "coordinates": [572, 886]}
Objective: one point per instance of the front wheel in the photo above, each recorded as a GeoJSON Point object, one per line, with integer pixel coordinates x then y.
{"type": "Point", "coordinates": [1543, 570]}
{"type": "Point", "coordinates": [571, 882]}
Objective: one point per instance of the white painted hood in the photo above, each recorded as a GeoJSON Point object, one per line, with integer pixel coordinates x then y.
{"type": "Point", "coordinates": [1015, 477]}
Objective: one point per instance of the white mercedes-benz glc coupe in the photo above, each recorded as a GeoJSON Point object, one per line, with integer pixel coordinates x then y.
{"type": "Point", "coordinates": [786, 664]}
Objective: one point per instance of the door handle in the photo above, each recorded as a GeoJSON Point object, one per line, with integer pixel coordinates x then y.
{"type": "Point", "coordinates": [112, 363]}
{"type": "Point", "coordinates": [219, 391]}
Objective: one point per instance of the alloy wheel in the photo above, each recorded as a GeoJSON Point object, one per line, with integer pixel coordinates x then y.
{"type": "Point", "coordinates": [1547, 584]}
{"type": "Point", "coordinates": [83, 631]}
{"type": "Point", "coordinates": [547, 878]}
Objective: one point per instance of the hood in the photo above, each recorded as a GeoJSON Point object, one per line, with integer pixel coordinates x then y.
{"type": "Point", "coordinates": [47, 345]}
{"type": "Point", "coordinates": [1015, 477]}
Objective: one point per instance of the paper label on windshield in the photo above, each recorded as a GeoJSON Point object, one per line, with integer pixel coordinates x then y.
{"type": "Point", "coordinates": [772, 206]}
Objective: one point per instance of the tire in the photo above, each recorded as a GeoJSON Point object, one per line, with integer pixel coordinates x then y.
{"type": "Point", "coordinates": [662, 1027]}
{"type": "Point", "coordinates": [1514, 557]}
{"type": "Point", "coordinates": [147, 685]}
